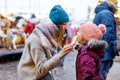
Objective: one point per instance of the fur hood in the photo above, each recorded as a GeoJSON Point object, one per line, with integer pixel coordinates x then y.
{"type": "Point", "coordinates": [97, 46]}
{"type": "Point", "coordinates": [106, 5]}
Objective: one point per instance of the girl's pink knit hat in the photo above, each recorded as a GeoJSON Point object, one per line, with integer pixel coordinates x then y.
{"type": "Point", "coordinates": [92, 31]}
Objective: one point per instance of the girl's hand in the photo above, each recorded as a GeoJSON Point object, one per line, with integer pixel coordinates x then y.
{"type": "Point", "coordinates": [65, 50]}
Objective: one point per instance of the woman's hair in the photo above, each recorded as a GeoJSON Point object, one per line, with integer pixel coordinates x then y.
{"type": "Point", "coordinates": [63, 37]}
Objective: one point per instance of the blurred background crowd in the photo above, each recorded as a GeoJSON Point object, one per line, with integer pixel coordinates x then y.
{"type": "Point", "coordinates": [19, 18]}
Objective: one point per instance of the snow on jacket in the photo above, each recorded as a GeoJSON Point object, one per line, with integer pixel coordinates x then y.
{"type": "Point", "coordinates": [36, 62]}
{"type": "Point", "coordinates": [88, 61]}
{"type": "Point", "coordinates": [104, 15]}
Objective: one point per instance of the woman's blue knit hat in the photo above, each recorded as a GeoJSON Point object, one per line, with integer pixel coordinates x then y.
{"type": "Point", "coordinates": [58, 15]}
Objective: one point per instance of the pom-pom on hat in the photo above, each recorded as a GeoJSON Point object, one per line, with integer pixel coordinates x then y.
{"type": "Point", "coordinates": [58, 15]}
{"type": "Point", "coordinates": [92, 31]}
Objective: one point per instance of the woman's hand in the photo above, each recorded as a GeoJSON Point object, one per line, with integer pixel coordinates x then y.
{"type": "Point", "coordinates": [65, 50]}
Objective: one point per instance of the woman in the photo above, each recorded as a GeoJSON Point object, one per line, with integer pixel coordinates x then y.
{"type": "Point", "coordinates": [39, 58]}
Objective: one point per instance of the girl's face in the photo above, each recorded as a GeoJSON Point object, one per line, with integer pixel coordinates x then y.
{"type": "Point", "coordinates": [80, 37]}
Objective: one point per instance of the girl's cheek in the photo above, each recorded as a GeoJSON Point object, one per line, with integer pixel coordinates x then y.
{"type": "Point", "coordinates": [80, 38]}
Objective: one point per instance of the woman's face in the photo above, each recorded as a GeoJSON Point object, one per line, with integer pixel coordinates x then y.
{"type": "Point", "coordinates": [64, 27]}
{"type": "Point", "coordinates": [62, 37]}
{"type": "Point", "coordinates": [80, 37]}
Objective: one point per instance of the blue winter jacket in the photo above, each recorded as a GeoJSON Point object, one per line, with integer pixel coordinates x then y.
{"type": "Point", "coordinates": [104, 15]}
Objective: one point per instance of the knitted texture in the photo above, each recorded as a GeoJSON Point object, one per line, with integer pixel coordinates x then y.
{"type": "Point", "coordinates": [58, 15]}
{"type": "Point", "coordinates": [92, 31]}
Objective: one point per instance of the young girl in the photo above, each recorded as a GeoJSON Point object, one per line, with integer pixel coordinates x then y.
{"type": "Point", "coordinates": [88, 60]}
